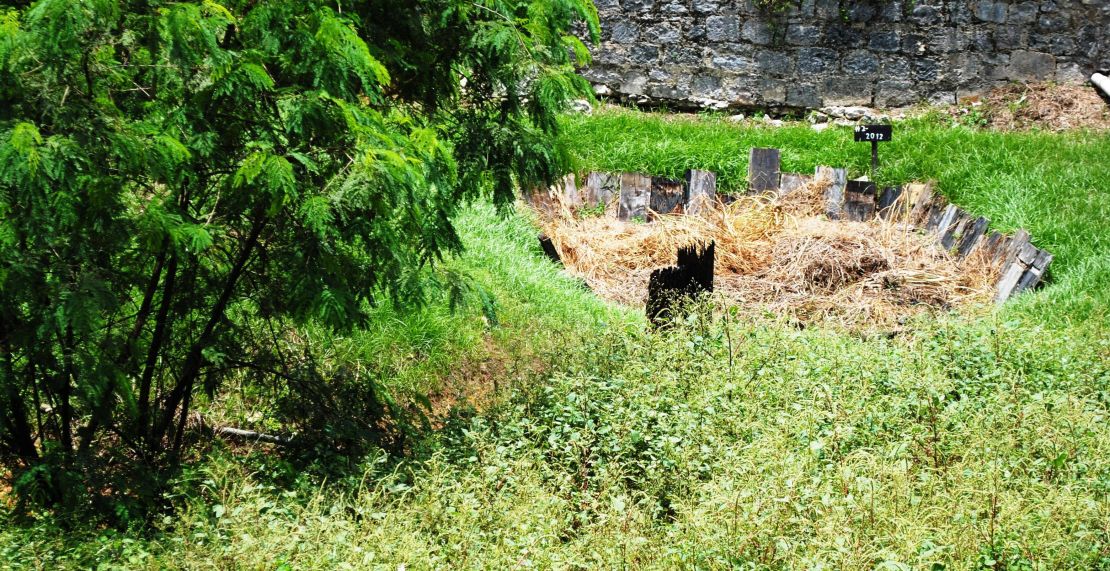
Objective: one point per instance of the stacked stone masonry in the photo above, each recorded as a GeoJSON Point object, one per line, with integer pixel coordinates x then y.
{"type": "Point", "coordinates": [817, 53]}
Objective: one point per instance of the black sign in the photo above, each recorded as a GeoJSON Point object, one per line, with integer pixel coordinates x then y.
{"type": "Point", "coordinates": [873, 133]}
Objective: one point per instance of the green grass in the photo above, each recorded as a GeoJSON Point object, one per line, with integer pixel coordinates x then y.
{"type": "Point", "coordinates": [964, 444]}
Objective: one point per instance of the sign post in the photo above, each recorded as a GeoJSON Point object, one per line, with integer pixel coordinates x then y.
{"type": "Point", "coordinates": [874, 134]}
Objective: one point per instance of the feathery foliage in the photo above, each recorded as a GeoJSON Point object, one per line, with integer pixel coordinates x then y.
{"type": "Point", "coordinates": [180, 182]}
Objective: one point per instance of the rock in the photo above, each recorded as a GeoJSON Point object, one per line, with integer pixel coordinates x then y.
{"type": "Point", "coordinates": [601, 90]}
{"type": "Point", "coordinates": [739, 118]}
{"type": "Point", "coordinates": [581, 106]}
{"type": "Point", "coordinates": [991, 11]}
{"type": "Point", "coordinates": [1032, 65]}
{"type": "Point", "coordinates": [722, 28]}
{"type": "Point", "coordinates": [820, 127]}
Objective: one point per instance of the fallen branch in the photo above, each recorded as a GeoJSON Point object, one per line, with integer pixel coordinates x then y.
{"type": "Point", "coordinates": [240, 434]}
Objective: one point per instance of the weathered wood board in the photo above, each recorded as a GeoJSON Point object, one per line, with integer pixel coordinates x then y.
{"type": "Point", "coordinates": [888, 200]}
{"type": "Point", "coordinates": [549, 249]}
{"type": "Point", "coordinates": [666, 196]}
{"type": "Point", "coordinates": [859, 200]}
{"type": "Point", "coordinates": [955, 227]}
{"type": "Point", "coordinates": [834, 194]}
{"type": "Point", "coordinates": [764, 167]}
{"type": "Point", "coordinates": [972, 236]}
{"type": "Point", "coordinates": [634, 196]}
{"type": "Point", "coordinates": [701, 191]}
{"type": "Point", "coordinates": [601, 189]}
{"type": "Point", "coordinates": [790, 182]}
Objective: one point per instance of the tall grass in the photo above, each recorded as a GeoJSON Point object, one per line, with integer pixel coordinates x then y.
{"type": "Point", "coordinates": [716, 445]}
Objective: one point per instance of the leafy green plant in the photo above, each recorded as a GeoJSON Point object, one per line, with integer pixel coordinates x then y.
{"type": "Point", "coordinates": [183, 182]}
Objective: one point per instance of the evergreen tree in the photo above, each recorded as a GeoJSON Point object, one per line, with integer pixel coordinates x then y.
{"type": "Point", "coordinates": [174, 173]}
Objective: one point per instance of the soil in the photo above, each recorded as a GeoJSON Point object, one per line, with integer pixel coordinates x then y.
{"type": "Point", "coordinates": [1046, 106]}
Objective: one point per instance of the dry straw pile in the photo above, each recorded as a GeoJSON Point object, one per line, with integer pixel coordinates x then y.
{"type": "Point", "coordinates": [779, 255]}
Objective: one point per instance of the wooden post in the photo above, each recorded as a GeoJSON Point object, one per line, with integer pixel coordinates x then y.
{"type": "Point", "coordinates": [701, 191]}
{"type": "Point", "coordinates": [601, 189]}
{"type": "Point", "coordinates": [1035, 272]}
{"type": "Point", "coordinates": [635, 193]}
{"type": "Point", "coordinates": [919, 199]}
{"type": "Point", "coordinates": [834, 194]}
{"type": "Point", "coordinates": [763, 170]}
{"type": "Point", "coordinates": [859, 200]}
{"type": "Point", "coordinates": [566, 189]}
{"type": "Point", "coordinates": [972, 236]}
{"type": "Point", "coordinates": [666, 196]}
{"type": "Point", "coordinates": [888, 198]}
{"type": "Point", "coordinates": [951, 233]}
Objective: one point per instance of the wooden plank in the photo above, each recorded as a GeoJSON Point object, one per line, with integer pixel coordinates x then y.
{"type": "Point", "coordinates": [763, 170]}
{"type": "Point", "coordinates": [972, 236]}
{"type": "Point", "coordinates": [601, 189]}
{"type": "Point", "coordinates": [634, 196]}
{"type": "Point", "coordinates": [834, 194]}
{"type": "Point", "coordinates": [666, 196]}
{"type": "Point", "coordinates": [951, 233]}
{"type": "Point", "coordinates": [859, 200]}
{"type": "Point", "coordinates": [1010, 277]}
{"type": "Point", "coordinates": [549, 249]}
{"type": "Point", "coordinates": [938, 211]}
{"type": "Point", "coordinates": [888, 199]}
{"type": "Point", "coordinates": [1014, 245]}
{"type": "Point", "coordinates": [920, 200]}
{"type": "Point", "coordinates": [1033, 275]}
{"type": "Point", "coordinates": [790, 182]}
{"type": "Point", "coordinates": [701, 191]}
{"type": "Point", "coordinates": [566, 189]}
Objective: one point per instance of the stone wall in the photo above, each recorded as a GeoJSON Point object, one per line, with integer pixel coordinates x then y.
{"type": "Point", "coordinates": [882, 53]}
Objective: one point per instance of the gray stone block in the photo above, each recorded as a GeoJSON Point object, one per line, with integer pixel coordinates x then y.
{"type": "Point", "coordinates": [665, 33]}
{"type": "Point", "coordinates": [803, 35]}
{"type": "Point", "coordinates": [733, 63]}
{"type": "Point", "coordinates": [991, 11]}
{"type": "Point", "coordinates": [860, 63]}
{"type": "Point", "coordinates": [773, 62]}
{"type": "Point", "coordinates": [926, 14]}
{"type": "Point", "coordinates": [1023, 13]}
{"type": "Point", "coordinates": [624, 32]}
{"type": "Point", "coordinates": [1009, 38]}
{"type": "Point", "coordinates": [1058, 22]}
{"type": "Point", "coordinates": [813, 61]}
{"type": "Point", "coordinates": [757, 32]}
{"type": "Point", "coordinates": [800, 95]}
{"type": "Point", "coordinates": [705, 6]}
{"type": "Point", "coordinates": [1026, 65]}
{"type": "Point", "coordinates": [843, 92]}
{"type": "Point", "coordinates": [722, 28]}
{"type": "Point", "coordinates": [886, 41]}
{"type": "Point", "coordinates": [895, 94]}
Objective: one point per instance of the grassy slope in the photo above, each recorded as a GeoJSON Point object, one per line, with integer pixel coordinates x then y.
{"type": "Point", "coordinates": [748, 445]}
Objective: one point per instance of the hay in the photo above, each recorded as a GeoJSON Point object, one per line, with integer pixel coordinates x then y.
{"type": "Point", "coordinates": [779, 255]}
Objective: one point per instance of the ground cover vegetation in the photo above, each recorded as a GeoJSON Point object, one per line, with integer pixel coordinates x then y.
{"type": "Point", "coordinates": [729, 441]}
{"type": "Point", "coordinates": [195, 192]}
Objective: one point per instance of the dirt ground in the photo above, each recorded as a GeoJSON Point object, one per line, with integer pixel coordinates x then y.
{"type": "Point", "coordinates": [1046, 106]}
